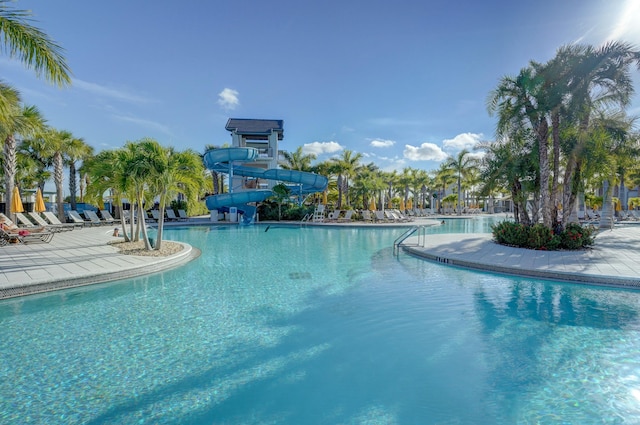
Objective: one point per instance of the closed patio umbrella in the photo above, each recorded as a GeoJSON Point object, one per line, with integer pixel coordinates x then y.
{"type": "Point", "coordinates": [39, 206]}
{"type": "Point", "coordinates": [16, 202]}
{"type": "Point", "coordinates": [401, 204]}
{"type": "Point", "coordinates": [324, 197]}
{"type": "Point", "coordinates": [372, 205]}
{"type": "Point", "coordinates": [389, 204]}
{"type": "Point", "coordinates": [409, 204]}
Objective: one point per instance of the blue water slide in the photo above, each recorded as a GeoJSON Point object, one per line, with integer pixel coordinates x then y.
{"type": "Point", "coordinates": [220, 160]}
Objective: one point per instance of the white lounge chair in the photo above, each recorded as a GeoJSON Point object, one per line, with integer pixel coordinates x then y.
{"type": "Point", "coordinates": [51, 218]}
{"type": "Point", "coordinates": [26, 236]}
{"type": "Point", "coordinates": [107, 217]}
{"type": "Point", "coordinates": [333, 216]}
{"type": "Point", "coordinates": [93, 218]}
{"type": "Point", "coordinates": [36, 218]}
{"type": "Point", "coordinates": [347, 216]}
{"type": "Point", "coordinates": [366, 215]}
{"type": "Point", "coordinates": [75, 218]}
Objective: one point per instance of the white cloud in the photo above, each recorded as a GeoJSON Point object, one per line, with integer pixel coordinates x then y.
{"type": "Point", "coordinates": [426, 152]}
{"type": "Point", "coordinates": [319, 148]}
{"type": "Point", "coordinates": [461, 141]}
{"type": "Point", "coordinates": [108, 92]}
{"type": "Point", "coordinates": [378, 143]}
{"type": "Point", "coordinates": [228, 99]}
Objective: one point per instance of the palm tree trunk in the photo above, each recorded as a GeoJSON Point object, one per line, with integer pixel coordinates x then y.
{"type": "Point", "coordinates": [9, 172]}
{"type": "Point", "coordinates": [57, 178]}
{"type": "Point", "coordinates": [72, 184]}
{"type": "Point", "coordinates": [606, 215]}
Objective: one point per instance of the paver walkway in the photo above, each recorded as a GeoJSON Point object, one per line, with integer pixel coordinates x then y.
{"type": "Point", "coordinates": [614, 259]}
{"type": "Point", "coordinates": [75, 258]}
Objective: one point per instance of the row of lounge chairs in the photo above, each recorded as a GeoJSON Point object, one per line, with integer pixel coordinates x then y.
{"type": "Point", "coordinates": [169, 215]}
{"type": "Point", "coordinates": [386, 216]}
{"type": "Point", "coordinates": [10, 233]}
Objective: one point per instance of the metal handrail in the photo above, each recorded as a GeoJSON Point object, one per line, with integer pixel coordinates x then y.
{"type": "Point", "coordinates": [403, 237]}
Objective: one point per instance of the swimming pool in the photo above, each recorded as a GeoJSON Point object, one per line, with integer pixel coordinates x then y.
{"type": "Point", "coordinates": [320, 326]}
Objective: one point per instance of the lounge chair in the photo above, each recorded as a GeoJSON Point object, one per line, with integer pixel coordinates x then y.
{"type": "Point", "coordinates": [26, 236]}
{"type": "Point", "coordinates": [347, 216]}
{"type": "Point", "coordinates": [379, 216]}
{"type": "Point", "coordinates": [182, 215]}
{"type": "Point", "coordinates": [333, 216]}
{"type": "Point", "coordinates": [93, 218]}
{"type": "Point", "coordinates": [75, 218]}
{"type": "Point", "coordinates": [36, 218]}
{"type": "Point", "coordinates": [366, 215]}
{"type": "Point", "coordinates": [51, 218]}
{"type": "Point", "coordinates": [10, 227]}
{"type": "Point", "coordinates": [171, 215]}
{"type": "Point", "coordinates": [155, 215]}
{"type": "Point", "coordinates": [107, 217]}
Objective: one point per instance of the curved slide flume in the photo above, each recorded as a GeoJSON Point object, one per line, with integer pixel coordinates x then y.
{"type": "Point", "coordinates": [220, 160]}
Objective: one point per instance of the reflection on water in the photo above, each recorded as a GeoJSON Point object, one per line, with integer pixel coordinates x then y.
{"type": "Point", "coordinates": [320, 326]}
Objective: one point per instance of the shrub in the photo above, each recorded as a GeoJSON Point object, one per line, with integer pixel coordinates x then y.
{"type": "Point", "coordinates": [538, 236]}
{"type": "Point", "coordinates": [576, 236]}
{"type": "Point", "coordinates": [510, 233]}
{"type": "Point", "coordinates": [541, 237]}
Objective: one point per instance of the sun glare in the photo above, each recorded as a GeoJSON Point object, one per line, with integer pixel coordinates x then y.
{"type": "Point", "coordinates": [626, 27]}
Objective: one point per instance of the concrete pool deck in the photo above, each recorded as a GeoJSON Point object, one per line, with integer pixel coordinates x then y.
{"type": "Point", "coordinates": [84, 256]}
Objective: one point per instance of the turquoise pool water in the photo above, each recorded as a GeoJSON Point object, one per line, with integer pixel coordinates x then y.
{"type": "Point", "coordinates": [320, 326]}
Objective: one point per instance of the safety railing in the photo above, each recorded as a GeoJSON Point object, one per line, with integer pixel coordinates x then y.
{"type": "Point", "coordinates": [408, 233]}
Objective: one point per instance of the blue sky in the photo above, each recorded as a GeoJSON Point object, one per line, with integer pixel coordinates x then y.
{"type": "Point", "coordinates": [404, 83]}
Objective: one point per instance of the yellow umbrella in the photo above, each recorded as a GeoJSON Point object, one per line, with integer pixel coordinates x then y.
{"type": "Point", "coordinates": [39, 207]}
{"type": "Point", "coordinates": [324, 198]}
{"type": "Point", "coordinates": [16, 202]}
{"type": "Point", "coordinates": [409, 204]}
{"type": "Point", "coordinates": [372, 205]}
{"type": "Point", "coordinates": [389, 204]}
{"type": "Point", "coordinates": [402, 205]}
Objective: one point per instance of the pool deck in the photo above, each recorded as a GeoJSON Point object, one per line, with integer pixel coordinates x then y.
{"type": "Point", "coordinates": [84, 256]}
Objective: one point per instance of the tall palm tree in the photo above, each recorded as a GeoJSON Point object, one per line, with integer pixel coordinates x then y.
{"type": "Point", "coordinates": [55, 144]}
{"type": "Point", "coordinates": [107, 174]}
{"type": "Point", "coordinates": [15, 119]}
{"type": "Point", "coordinates": [461, 165]}
{"type": "Point", "coordinates": [345, 167]}
{"type": "Point", "coordinates": [443, 178]}
{"type": "Point", "coordinates": [176, 172]}
{"type": "Point", "coordinates": [76, 150]}
{"type": "Point", "coordinates": [522, 102]}
{"type": "Point", "coordinates": [31, 46]}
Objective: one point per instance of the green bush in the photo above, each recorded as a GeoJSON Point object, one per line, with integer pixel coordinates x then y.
{"type": "Point", "coordinates": [576, 236]}
{"type": "Point", "coordinates": [510, 233]}
{"type": "Point", "coordinates": [540, 237]}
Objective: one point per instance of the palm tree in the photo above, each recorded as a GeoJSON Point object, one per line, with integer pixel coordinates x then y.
{"type": "Point", "coordinates": [107, 174]}
{"type": "Point", "coordinates": [443, 178]}
{"type": "Point", "coordinates": [298, 160]}
{"type": "Point", "coordinates": [32, 46]}
{"type": "Point", "coordinates": [55, 143]}
{"type": "Point", "coordinates": [14, 119]}
{"type": "Point", "coordinates": [33, 148]}
{"type": "Point", "coordinates": [345, 167]}
{"type": "Point", "coordinates": [76, 150]}
{"type": "Point", "coordinates": [175, 172]}
{"type": "Point", "coordinates": [461, 166]}
{"type": "Point", "coordinates": [522, 102]}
